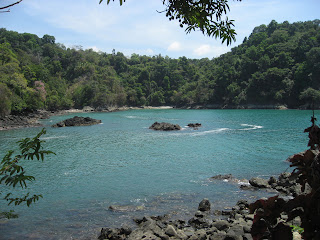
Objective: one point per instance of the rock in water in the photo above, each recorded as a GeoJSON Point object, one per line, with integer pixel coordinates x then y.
{"type": "Point", "coordinates": [194, 125]}
{"type": "Point", "coordinates": [204, 205]}
{"type": "Point", "coordinates": [164, 126]}
{"type": "Point", "coordinates": [259, 182]}
{"type": "Point", "coordinates": [77, 121]}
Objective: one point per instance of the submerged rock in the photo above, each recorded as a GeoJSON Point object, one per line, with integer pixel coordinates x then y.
{"type": "Point", "coordinates": [222, 177]}
{"type": "Point", "coordinates": [125, 208]}
{"type": "Point", "coordinates": [164, 126]}
{"type": "Point", "coordinates": [77, 121]}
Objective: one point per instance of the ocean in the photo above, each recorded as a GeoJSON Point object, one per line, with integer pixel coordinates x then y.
{"type": "Point", "coordinates": [123, 162]}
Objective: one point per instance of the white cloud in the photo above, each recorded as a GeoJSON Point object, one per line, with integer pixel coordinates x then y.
{"type": "Point", "coordinates": [175, 46]}
{"type": "Point", "coordinates": [149, 51]}
{"type": "Point", "coordinates": [137, 26]}
{"type": "Point", "coordinates": [202, 50]}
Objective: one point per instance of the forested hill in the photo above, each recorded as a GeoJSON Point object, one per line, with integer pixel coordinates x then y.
{"type": "Point", "coordinates": [278, 63]}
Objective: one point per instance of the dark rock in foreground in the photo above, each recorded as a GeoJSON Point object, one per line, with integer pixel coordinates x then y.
{"type": "Point", "coordinates": [165, 126]}
{"type": "Point", "coordinates": [204, 205]}
{"type": "Point", "coordinates": [235, 223]}
{"type": "Point", "coordinates": [202, 226]}
{"type": "Point", "coordinates": [77, 121]}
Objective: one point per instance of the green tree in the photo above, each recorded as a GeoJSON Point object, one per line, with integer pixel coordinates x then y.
{"type": "Point", "coordinates": [5, 103]}
{"type": "Point", "coordinates": [310, 95]}
{"type": "Point", "coordinates": [13, 174]}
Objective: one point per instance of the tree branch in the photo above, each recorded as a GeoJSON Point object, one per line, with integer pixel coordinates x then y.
{"type": "Point", "coordinates": [10, 5]}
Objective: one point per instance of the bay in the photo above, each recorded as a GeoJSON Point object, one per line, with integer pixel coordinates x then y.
{"type": "Point", "coordinates": [123, 162]}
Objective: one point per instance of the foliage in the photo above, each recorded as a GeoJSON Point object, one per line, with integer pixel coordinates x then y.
{"type": "Point", "coordinates": [306, 206]}
{"type": "Point", "coordinates": [296, 228]}
{"type": "Point", "coordinates": [5, 103]}
{"type": "Point", "coordinates": [204, 15]}
{"type": "Point", "coordinates": [13, 174]}
{"type": "Point", "coordinates": [278, 64]}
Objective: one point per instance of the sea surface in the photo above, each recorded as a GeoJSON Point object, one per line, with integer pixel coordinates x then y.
{"type": "Point", "coordinates": [123, 162]}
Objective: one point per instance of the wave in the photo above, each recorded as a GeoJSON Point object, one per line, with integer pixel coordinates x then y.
{"type": "Point", "coordinates": [183, 132]}
{"type": "Point", "coordinates": [218, 130]}
{"type": "Point", "coordinates": [53, 137]}
{"type": "Point", "coordinates": [250, 127]}
{"type": "Point", "coordinates": [139, 200]}
{"type": "Point", "coordinates": [136, 117]}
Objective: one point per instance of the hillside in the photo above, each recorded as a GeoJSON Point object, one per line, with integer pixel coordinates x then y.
{"type": "Point", "coordinates": [278, 63]}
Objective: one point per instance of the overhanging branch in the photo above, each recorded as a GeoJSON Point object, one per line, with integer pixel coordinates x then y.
{"type": "Point", "coordinates": [1, 8]}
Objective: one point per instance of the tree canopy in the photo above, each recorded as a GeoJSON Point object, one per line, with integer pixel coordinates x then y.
{"type": "Point", "coordinates": [277, 64]}
{"type": "Point", "coordinates": [204, 15]}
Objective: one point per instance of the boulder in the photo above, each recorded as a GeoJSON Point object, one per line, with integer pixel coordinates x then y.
{"type": "Point", "coordinates": [77, 121]}
{"type": "Point", "coordinates": [204, 205]}
{"type": "Point", "coordinates": [170, 231]}
{"type": "Point", "coordinates": [164, 126]}
{"type": "Point", "coordinates": [118, 234]}
{"type": "Point", "coordinates": [259, 182]}
{"type": "Point", "coordinates": [221, 225]}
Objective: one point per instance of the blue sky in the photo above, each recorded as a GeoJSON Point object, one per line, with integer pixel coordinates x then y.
{"type": "Point", "coordinates": [137, 27]}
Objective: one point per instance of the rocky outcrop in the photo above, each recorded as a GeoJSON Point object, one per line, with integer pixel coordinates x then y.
{"type": "Point", "coordinates": [165, 126]}
{"type": "Point", "coordinates": [285, 184]}
{"type": "Point", "coordinates": [77, 121]}
{"type": "Point", "coordinates": [24, 119]}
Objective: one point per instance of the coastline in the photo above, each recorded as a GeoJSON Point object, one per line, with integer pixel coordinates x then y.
{"type": "Point", "coordinates": [230, 223]}
{"type": "Point", "coordinates": [31, 119]}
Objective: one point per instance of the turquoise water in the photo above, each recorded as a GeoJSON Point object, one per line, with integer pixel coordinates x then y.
{"type": "Point", "coordinates": [123, 162]}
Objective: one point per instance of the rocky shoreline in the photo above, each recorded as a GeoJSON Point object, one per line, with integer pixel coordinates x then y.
{"type": "Point", "coordinates": [211, 224]}
{"type": "Point", "coordinates": [31, 119]}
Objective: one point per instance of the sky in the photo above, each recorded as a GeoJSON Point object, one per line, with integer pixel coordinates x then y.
{"type": "Point", "coordinates": [138, 26]}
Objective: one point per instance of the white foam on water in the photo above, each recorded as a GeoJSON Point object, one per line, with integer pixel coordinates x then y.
{"type": "Point", "coordinates": [243, 182]}
{"type": "Point", "coordinates": [131, 117]}
{"type": "Point", "coordinates": [139, 200]}
{"type": "Point", "coordinates": [250, 127]}
{"type": "Point", "coordinates": [137, 117]}
{"type": "Point", "coordinates": [213, 131]}
{"type": "Point", "coordinates": [53, 137]}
